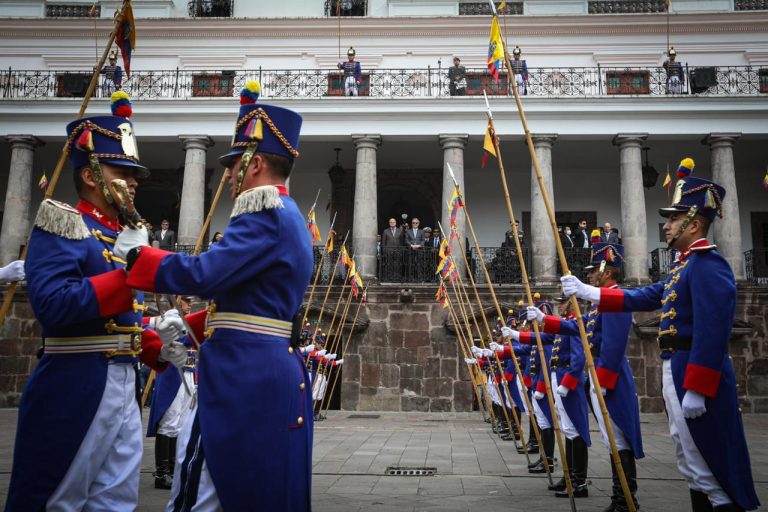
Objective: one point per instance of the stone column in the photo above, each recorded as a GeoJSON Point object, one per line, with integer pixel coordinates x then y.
{"type": "Point", "coordinates": [541, 240]}
{"type": "Point", "coordinates": [18, 196]}
{"type": "Point", "coordinates": [453, 153]}
{"type": "Point", "coordinates": [192, 212]}
{"type": "Point", "coordinates": [634, 231]}
{"type": "Point", "coordinates": [364, 221]}
{"type": "Point", "coordinates": [727, 231]}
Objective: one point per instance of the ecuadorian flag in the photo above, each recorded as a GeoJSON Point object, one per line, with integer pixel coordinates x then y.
{"type": "Point", "coordinates": [495, 49]}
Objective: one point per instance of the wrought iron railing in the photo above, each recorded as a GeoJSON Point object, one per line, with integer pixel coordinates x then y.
{"type": "Point", "coordinates": [626, 6]}
{"type": "Point", "coordinates": [661, 259]}
{"type": "Point", "coordinates": [750, 5]}
{"type": "Point", "coordinates": [484, 8]}
{"type": "Point", "coordinates": [346, 7]}
{"type": "Point", "coordinates": [331, 264]}
{"type": "Point", "coordinates": [756, 265]}
{"type": "Point", "coordinates": [72, 11]}
{"type": "Point", "coordinates": [428, 82]}
{"type": "Point", "coordinates": [503, 264]}
{"type": "Point", "coordinates": [211, 8]}
{"type": "Point", "coordinates": [577, 258]}
{"type": "Point", "coordinates": [406, 265]}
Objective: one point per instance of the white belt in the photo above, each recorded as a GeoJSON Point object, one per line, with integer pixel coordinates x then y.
{"type": "Point", "coordinates": [123, 343]}
{"type": "Point", "coordinates": [250, 323]}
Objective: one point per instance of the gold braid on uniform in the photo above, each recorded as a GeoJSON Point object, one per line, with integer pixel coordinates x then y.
{"type": "Point", "coordinates": [98, 129]}
{"type": "Point", "coordinates": [263, 115]}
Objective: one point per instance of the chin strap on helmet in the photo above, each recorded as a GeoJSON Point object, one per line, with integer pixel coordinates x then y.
{"type": "Point", "coordinates": [688, 218]}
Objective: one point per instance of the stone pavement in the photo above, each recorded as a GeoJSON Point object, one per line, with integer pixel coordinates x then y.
{"type": "Point", "coordinates": [475, 470]}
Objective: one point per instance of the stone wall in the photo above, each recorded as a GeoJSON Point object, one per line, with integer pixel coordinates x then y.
{"type": "Point", "coordinates": [404, 356]}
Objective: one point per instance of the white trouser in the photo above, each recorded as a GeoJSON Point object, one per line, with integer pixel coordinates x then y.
{"type": "Point", "coordinates": [207, 499]}
{"type": "Point", "coordinates": [621, 440]}
{"type": "Point", "coordinates": [494, 392]}
{"type": "Point", "coordinates": [541, 419]}
{"type": "Point", "coordinates": [520, 83]}
{"type": "Point", "coordinates": [521, 389]}
{"type": "Point", "coordinates": [173, 419]}
{"type": "Point", "coordinates": [350, 86]}
{"type": "Point", "coordinates": [104, 475]}
{"type": "Point", "coordinates": [674, 86]}
{"type": "Point", "coordinates": [691, 464]}
{"type": "Point", "coordinates": [318, 387]}
{"type": "Point", "coordinates": [566, 425]}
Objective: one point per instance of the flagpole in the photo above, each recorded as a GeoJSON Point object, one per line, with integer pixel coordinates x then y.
{"type": "Point", "coordinates": [331, 232]}
{"type": "Point", "coordinates": [327, 292]}
{"type": "Point", "coordinates": [214, 203]}
{"type": "Point", "coordinates": [333, 345]}
{"type": "Point", "coordinates": [574, 301]}
{"type": "Point", "coordinates": [64, 151]}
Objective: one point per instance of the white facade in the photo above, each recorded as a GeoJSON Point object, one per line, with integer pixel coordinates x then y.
{"type": "Point", "coordinates": [416, 35]}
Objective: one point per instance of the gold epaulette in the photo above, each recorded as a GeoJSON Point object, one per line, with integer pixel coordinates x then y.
{"type": "Point", "coordinates": [257, 199]}
{"type": "Point", "coordinates": [62, 220]}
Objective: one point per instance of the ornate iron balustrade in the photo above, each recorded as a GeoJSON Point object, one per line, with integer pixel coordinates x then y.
{"type": "Point", "coordinates": [756, 265]}
{"type": "Point", "coordinates": [626, 6]}
{"type": "Point", "coordinates": [72, 11]}
{"type": "Point", "coordinates": [211, 8]}
{"type": "Point", "coordinates": [750, 5]}
{"type": "Point", "coordinates": [503, 264]}
{"type": "Point", "coordinates": [346, 8]}
{"type": "Point", "coordinates": [577, 258]}
{"type": "Point", "coordinates": [661, 259]}
{"type": "Point", "coordinates": [389, 83]}
{"type": "Point", "coordinates": [483, 9]}
{"type": "Point", "coordinates": [329, 264]}
{"type": "Point", "coordinates": [406, 265]}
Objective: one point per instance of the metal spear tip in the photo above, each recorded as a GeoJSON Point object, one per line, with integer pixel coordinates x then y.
{"type": "Point", "coordinates": [493, 7]}
{"type": "Point", "coordinates": [453, 176]}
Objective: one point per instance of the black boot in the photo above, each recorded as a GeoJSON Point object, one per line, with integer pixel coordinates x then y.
{"type": "Point", "coordinates": [533, 446]}
{"type": "Point", "coordinates": [578, 468]}
{"type": "Point", "coordinates": [172, 455]}
{"type": "Point", "coordinates": [730, 507]}
{"type": "Point", "coordinates": [560, 485]}
{"type": "Point", "coordinates": [630, 472]}
{"type": "Point", "coordinates": [162, 449]}
{"type": "Point", "coordinates": [700, 502]}
{"type": "Point", "coordinates": [548, 448]}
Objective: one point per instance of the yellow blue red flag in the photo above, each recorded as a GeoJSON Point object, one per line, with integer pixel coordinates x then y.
{"type": "Point", "coordinates": [312, 226]}
{"type": "Point", "coordinates": [455, 205]}
{"type": "Point", "coordinates": [126, 37]}
{"type": "Point", "coordinates": [489, 147]}
{"type": "Point", "coordinates": [43, 183]}
{"type": "Point", "coordinates": [495, 49]}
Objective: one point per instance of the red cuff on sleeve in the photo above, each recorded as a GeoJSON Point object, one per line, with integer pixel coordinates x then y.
{"type": "Point", "coordinates": [606, 377]}
{"type": "Point", "coordinates": [507, 352]}
{"type": "Point", "coordinates": [569, 381]}
{"type": "Point", "coordinates": [481, 363]}
{"type": "Point", "coordinates": [508, 376]}
{"type": "Point", "coordinates": [498, 378]}
{"type": "Point", "coordinates": [541, 387]}
{"type": "Point", "coordinates": [150, 350]}
{"type": "Point", "coordinates": [526, 337]}
{"type": "Point", "coordinates": [197, 323]}
{"type": "Point", "coordinates": [527, 381]}
{"type": "Point", "coordinates": [551, 324]}
{"type": "Point", "coordinates": [611, 300]}
{"type": "Point", "coordinates": [701, 380]}
{"type": "Point", "coordinates": [142, 274]}
{"type": "Point", "coordinates": [112, 292]}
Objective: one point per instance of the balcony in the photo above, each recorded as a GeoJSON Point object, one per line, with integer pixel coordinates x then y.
{"type": "Point", "coordinates": [211, 8]}
{"type": "Point", "coordinates": [388, 83]}
{"type": "Point", "coordinates": [345, 8]}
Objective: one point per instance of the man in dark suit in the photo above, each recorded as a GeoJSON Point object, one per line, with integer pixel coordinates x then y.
{"type": "Point", "coordinates": [581, 237]}
{"type": "Point", "coordinates": [430, 257]}
{"type": "Point", "coordinates": [414, 238]}
{"type": "Point", "coordinates": [391, 252]}
{"type": "Point", "coordinates": [165, 236]}
{"type": "Point", "coordinates": [609, 235]}
{"type": "Point", "coordinates": [567, 238]}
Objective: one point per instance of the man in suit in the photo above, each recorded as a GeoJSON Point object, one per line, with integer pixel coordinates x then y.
{"type": "Point", "coordinates": [581, 237]}
{"type": "Point", "coordinates": [414, 238]}
{"type": "Point", "coordinates": [567, 238]}
{"type": "Point", "coordinates": [391, 251]}
{"type": "Point", "coordinates": [608, 235]}
{"type": "Point", "coordinates": [165, 236]}
{"type": "Point", "coordinates": [431, 246]}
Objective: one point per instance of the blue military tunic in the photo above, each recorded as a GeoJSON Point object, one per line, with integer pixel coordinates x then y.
{"type": "Point", "coordinates": [254, 397]}
{"type": "Point", "coordinates": [698, 301]}
{"type": "Point", "coordinates": [77, 289]}
{"type": "Point", "coordinates": [568, 361]}
{"type": "Point", "coordinates": [608, 336]}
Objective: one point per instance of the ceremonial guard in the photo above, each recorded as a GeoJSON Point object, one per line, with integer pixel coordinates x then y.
{"type": "Point", "coordinates": [113, 76]}
{"type": "Point", "coordinates": [248, 443]}
{"type": "Point", "coordinates": [171, 404]}
{"type": "Point", "coordinates": [79, 443]}
{"type": "Point", "coordinates": [353, 75]}
{"type": "Point", "coordinates": [608, 336]}
{"type": "Point", "coordinates": [520, 71]}
{"type": "Point", "coordinates": [457, 78]}
{"type": "Point", "coordinates": [698, 300]}
{"type": "Point", "coordinates": [675, 73]}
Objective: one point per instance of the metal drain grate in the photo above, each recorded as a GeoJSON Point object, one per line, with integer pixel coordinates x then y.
{"type": "Point", "coordinates": [364, 416]}
{"type": "Point", "coordinates": [403, 471]}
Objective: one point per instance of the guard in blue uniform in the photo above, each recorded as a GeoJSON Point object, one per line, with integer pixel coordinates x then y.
{"type": "Point", "coordinates": [608, 336]}
{"type": "Point", "coordinates": [78, 440]}
{"type": "Point", "coordinates": [353, 74]}
{"type": "Point", "coordinates": [249, 442]}
{"type": "Point", "coordinates": [520, 71]}
{"type": "Point", "coordinates": [675, 73]}
{"type": "Point", "coordinates": [697, 300]}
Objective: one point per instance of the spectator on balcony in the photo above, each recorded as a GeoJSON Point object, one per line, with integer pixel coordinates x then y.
{"type": "Point", "coordinates": [567, 238]}
{"type": "Point", "coordinates": [217, 236]}
{"type": "Point", "coordinates": [609, 235]}
{"type": "Point", "coordinates": [457, 78]}
{"type": "Point", "coordinates": [113, 76]}
{"type": "Point", "coordinates": [675, 73]}
{"type": "Point", "coordinates": [509, 237]}
{"type": "Point", "coordinates": [391, 252]}
{"type": "Point", "coordinates": [165, 236]}
{"type": "Point", "coordinates": [353, 75]}
{"type": "Point", "coordinates": [581, 238]}
{"type": "Point", "coordinates": [520, 70]}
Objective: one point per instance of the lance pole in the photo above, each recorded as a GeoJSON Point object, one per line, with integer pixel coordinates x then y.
{"type": "Point", "coordinates": [214, 203]}
{"type": "Point", "coordinates": [335, 344]}
{"type": "Point", "coordinates": [574, 302]}
{"type": "Point", "coordinates": [65, 150]}
{"type": "Point", "coordinates": [319, 272]}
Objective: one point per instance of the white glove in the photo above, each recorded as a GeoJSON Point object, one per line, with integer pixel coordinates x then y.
{"type": "Point", "coordinates": [534, 313]}
{"type": "Point", "coordinates": [573, 286]}
{"type": "Point", "coordinates": [487, 353]}
{"type": "Point", "coordinates": [538, 395]}
{"type": "Point", "coordinates": [470, 360]}
{"type": "Point", "coordinates": [495, 347]}
{"type": "Point", "coordinates": [307, 349]}
{"type": "Point", "coordinates": [14, 271]}
{"type": "Point", "coordinates": [510, 333]}
{"type": "Point", "coordinates": [562, 391]}
{"type": "Point", "coordinates": [174, 353]}
{"type": "Point", "coordinates": [693, 405]}
{"type": "Point", "coordinates": [340, 362]}
{"type": "Point", "coordinates": [128, 239]}
{"type": "Point", "coordinates": [169, 326]}
{"type": "Point", "coordinates": [477, 351]}
{"type": "Point", "coordinates": [321, 353]}
{"type": "Point", "coordinates": [330, 357]}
